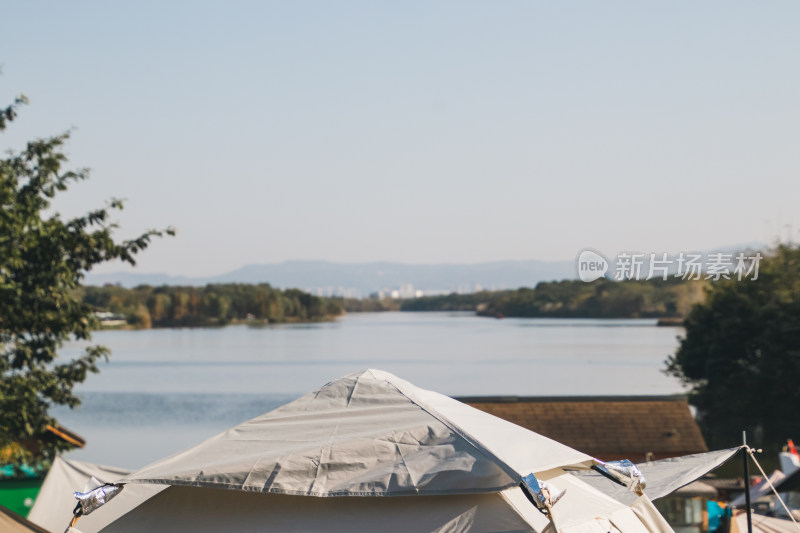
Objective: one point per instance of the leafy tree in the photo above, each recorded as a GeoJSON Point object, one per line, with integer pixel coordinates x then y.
{"type": "Point", "coordinates": [741, 355]}
{"type": "Point", "coordinates": [43, 259]}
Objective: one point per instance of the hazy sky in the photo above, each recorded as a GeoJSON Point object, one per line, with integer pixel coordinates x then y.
{"type": "Point", "coordinates": [417, 131]}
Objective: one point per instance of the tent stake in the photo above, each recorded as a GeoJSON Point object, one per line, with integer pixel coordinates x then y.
{"type": "Point", "coordinates": [550, 516]}
{"type": "Point", "coordinates": [76, 513]}
{"type": "Point", "coordinates": [72, 523]}
{"type": "Point", "coordinates": [747, 483]}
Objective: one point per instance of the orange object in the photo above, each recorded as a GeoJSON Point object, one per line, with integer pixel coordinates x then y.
{"type": "Point", "coordinates": [792, 448]}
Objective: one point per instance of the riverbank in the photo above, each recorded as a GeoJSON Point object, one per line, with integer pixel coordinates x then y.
{"type": "Point", "coordinates": [670, 299]}
{"type": "Point", "coordinates": [146, 307]}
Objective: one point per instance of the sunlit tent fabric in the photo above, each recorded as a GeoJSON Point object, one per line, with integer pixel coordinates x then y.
{"type": "Point", "coordinates": [194, 509]}
{"type": "Point", "coordinates": [334, 459]}
{"type": "Point", "coordinates": [55, 502]}
{"type": "Point", "coordinates": [664, 476]}
{"type": "Point", "coordinates": [198, 509]}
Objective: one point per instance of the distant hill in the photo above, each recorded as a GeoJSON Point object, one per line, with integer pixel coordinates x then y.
{"type": "Point", "coordinates": [358, 280]}
{"type": "Point", "coordinates": [362, 279]}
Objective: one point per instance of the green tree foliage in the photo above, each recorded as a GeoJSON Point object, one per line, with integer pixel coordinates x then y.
{"type": "Point", "coordinates": [214, 304]}
{"type": "Point", "coordinates": [10, 113]}
{"type": "Point", "coordinates": [741, 355]}
{"type": "Point", "coordinates": [600, 299]}
{"type": "Point", "coordinates": [575, 299]}
{"type": "Point", "coordinates": [43, 259]}
{"type": "Point", "coordinates": [367, 305]}
{"type": "Point", "coordinates": [451, 302]}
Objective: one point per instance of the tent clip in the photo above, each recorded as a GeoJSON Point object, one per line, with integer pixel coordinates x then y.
{"type": "Point", "coordinates": [543, 495]}
{"type": "Point", "coordinates": [623, 472]}
{"type": "Point", "coordinates": [94, 499]}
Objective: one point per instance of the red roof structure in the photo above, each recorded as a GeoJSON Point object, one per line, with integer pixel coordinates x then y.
{"type": "Point", "coordinates": [639, 428]}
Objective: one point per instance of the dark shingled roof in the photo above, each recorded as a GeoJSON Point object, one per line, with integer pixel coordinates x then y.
{"type": "Point", "coordinates": [638, 428]}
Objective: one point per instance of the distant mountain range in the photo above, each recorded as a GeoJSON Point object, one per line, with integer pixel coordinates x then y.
{"type": "Point", "coordinates": [362, 279]}
{"type": "Point", "coordinates": [359, 280]}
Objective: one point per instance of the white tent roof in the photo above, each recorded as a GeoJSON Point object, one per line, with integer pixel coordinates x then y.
{"type": "Point", "coordinates": [366, 434]}
{"type": "Point", "coordinates": [371, 434]}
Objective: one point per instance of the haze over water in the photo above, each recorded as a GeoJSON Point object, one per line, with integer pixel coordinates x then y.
{"type": "Point", "coordinates": [166, 389]}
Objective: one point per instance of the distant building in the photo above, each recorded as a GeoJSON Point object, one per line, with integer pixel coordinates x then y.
{"type": "Point", "coordinates": [406, 291]}
{"type": "Point", "coordinates": [331, 291]}
{"type": "Point", "coordinates": [639, 428]}
{"type": "Point", "coordinates": [110, 319]}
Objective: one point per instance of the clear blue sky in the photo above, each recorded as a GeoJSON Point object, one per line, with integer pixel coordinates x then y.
{"type": "Point", "coordinates": [417, 131]}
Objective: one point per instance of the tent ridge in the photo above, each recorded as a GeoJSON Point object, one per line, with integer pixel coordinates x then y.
{"type": "Point", "coordinates": [513, 474]}
{"type": "Point", "coordinates": [322, 453]}
{"type": "Point", "coordinates": [352, 391]}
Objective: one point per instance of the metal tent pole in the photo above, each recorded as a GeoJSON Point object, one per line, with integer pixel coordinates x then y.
{"type": "Point", "coordinates": [747, 483]}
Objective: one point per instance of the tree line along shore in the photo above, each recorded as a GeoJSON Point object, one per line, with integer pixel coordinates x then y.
{"type": "Point", "coordinates": [147, 307]}
{"type": "Point", "coordinates": [602, 298]}
{"type": "Point", "coordinates": [221, 304]}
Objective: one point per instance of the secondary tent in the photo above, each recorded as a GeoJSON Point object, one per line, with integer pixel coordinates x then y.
{"type": "Point", "coordinates": [55, 502]}
{"type": "Point", "coordinates": [11, 522]}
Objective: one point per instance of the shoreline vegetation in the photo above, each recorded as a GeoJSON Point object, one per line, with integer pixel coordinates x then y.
{"type": "Point", "coordinates": [216, 305]}
{"type": "Point", "coordinates": [669, 300]}
{"type": "Point", "coordinates": [146, 307]}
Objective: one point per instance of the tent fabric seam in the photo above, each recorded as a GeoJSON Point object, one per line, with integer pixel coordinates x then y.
{"type": "Point", "coordinates": [335, 494]}
{"type": "Point", "coordinates": [403, 458]}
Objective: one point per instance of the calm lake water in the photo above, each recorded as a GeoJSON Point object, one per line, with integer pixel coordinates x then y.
{"type": "Point", "coordinates": [164, 390]}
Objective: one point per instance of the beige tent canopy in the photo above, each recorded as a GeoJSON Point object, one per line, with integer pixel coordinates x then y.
{"type": "Point", "coordinates": [184, 508]}
{"type": "Point", "coordinates": [55, 501]}
{"type": "Point", "coordinates": [191, 509]}
{"type": "Point", "coordinates": [371, 451]}
{"type": "Point", "coordinates": [199, 509]}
